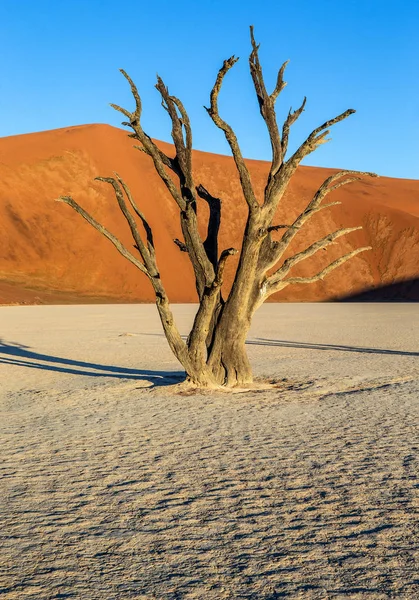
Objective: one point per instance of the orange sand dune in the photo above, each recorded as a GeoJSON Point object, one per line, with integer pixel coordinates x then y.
{"type": "Point", "coordinates": [49, 254]}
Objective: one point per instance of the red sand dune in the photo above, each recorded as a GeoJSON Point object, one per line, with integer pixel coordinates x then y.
{"type": "Point", "coordinates": [49, 254]}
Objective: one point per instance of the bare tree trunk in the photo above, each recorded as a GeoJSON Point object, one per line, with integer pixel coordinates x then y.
{"type": "Point", "coordinates": [228, 360]}
{"type": "Point", "coordinates": [215, 352]}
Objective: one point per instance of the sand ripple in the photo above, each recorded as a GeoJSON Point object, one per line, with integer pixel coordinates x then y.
{"type": "Point", "coordinates": [129, 493]}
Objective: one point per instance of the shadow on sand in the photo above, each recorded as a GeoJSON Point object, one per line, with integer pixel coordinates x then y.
{"type": "Point", "coordinates": [338, 347]}
{"type": "Point", "coordinates": [16, 354]}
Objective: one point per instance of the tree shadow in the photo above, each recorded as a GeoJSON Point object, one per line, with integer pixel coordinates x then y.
{"type": "Point", "coordinates": [12, 353]}
{"type": "Point", "coordinates": [338, 347]}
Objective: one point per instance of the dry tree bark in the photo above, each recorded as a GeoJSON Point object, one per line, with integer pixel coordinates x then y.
{"type": "Point", "coordinates": [215, 353]}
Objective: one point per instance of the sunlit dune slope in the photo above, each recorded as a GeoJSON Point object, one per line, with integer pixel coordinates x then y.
{"type": "Point", "coordinates": [49, 254]}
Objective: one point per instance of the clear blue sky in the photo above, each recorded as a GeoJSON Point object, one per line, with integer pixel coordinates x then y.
{"type": "Point", "coordinates": [60, 59]}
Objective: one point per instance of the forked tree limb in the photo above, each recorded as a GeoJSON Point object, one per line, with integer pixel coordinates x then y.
{"type": "Point", "coordinates": [269, 290]}
{"type": "Point", "coordinates": [140, 214]}
{"type": "Point", "coordinates": [181, 165]}
{"type": "Point", "coordinates": [267, 104]}
{"type": "Point", "coordinates": [231, 137]}
{"type": "Point", "coordinates": [137, 98]}
{"type": "Point", "coordinates": [202, 262]}
{"type": "Point", "coordinates": [203, 255]}
{"type": "Point", "coordinates": [290, 120]}
{"type": "Point", "coordinates": [271, 251]}
{"type": "Point", "coordinates": [321, 244]}
{"type": "Point", "coordinates": [176, 343]}
{"type": "Point", "coordinates": [145, 254]}
{"type": "Point", "coordinates": [150, 147]}
{"type": "Point", "coordinates": [277, 248]}
{"type": "Point", "coordinates": [316, 138]}
{"type": "Point", "coordinates": [183, 146]}
{"type": "Point", "coordinates": [280, 182]}
{"type": "Point", "coordinates": [185, 122]}
{"type": "Point", "coordinates": [280, 83]}
{"type": "Point", "coordinates": [280, 171]}
{"type": "Point", "coordinates": [107, 234]}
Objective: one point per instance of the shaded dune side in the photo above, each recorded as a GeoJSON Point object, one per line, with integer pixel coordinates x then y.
{"type": "Point", "coordinates": [406, 290]}
{"type": "Point", "coordinates": [49, 254]}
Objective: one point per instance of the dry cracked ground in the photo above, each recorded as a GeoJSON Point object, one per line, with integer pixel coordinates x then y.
{"type": "Point", "coordinates": [114, 487]}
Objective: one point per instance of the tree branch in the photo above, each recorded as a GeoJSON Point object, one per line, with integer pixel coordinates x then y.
{"type": "Point", "coordinates": [319, 276]}
{"type": "Point", "coordinates": [173, 336]}
{"type": "Point", "coordinates": [267, 106]}
{"type": "Point", "coordinates": [231, 138]}
{"type": "Point", "coordinates": [140, 214]}
{"type": "Point", "coordinates": [278, 227]}
{"type": "Point", "coordinates": [136, 95]}
{"type": "Point", "coordinates": [147, 254]}
{"type": "Point", "coordinates": [183, 148]}
{"type": "Point", "coordinates": [315, 139]}
{"type": "Point", "coordinates": [185, 122]}
{"type": "Point", "coordinates": [280, 181]}
{"type": "Point", "coordinates": [218, 281]}
{"type": "Point", "coordinates": [182, 247]}
{"type": "Point", "coordinates": [181, 165]}
{"type": "Point", "coordinates": [280, 83]}
{"type": "Point", "coordinates": [202, 263]}
{"type": "Point", "coordinates": [277, 249]}
{"type": "Point", "coordinates": [166, 160]}
{"type": "Point", "coordinates": [150, 147]}
{"type": "Point", "coordinates": [312, 249]}
{"type": "Point", "coordinates": [107, 234]}
{"type": "Point", "coordinates": [290, 120]}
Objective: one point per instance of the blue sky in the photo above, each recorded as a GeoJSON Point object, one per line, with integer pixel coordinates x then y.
{"type": "Point", "coordinates": [60, 59]}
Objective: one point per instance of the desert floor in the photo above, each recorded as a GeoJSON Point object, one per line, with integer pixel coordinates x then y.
{"type": "Point", "coordinates": [114, 487]}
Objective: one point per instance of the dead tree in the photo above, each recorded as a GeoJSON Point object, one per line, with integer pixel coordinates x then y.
{"type": "Point", "coordinates": [214, 353]}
